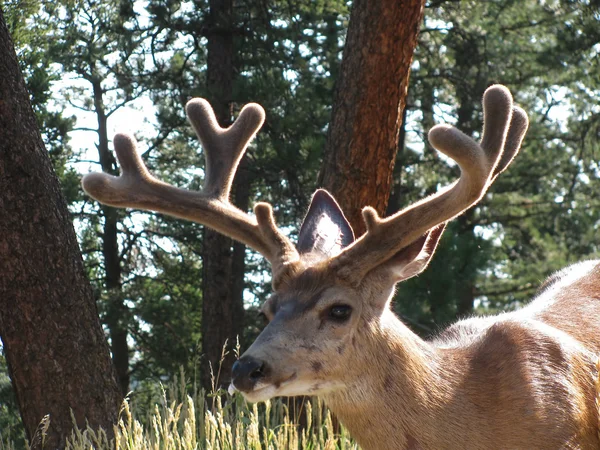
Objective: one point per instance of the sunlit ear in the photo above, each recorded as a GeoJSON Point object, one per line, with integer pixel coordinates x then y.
{"type": "Point", "coordinates": [412, 260]}
{"type": "Point", "coordinates": [325, 231]}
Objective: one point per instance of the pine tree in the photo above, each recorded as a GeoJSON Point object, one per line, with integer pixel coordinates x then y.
{"type": "Point", "coordinates": [53, 342]}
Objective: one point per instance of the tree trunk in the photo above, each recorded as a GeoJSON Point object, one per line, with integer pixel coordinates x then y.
{"type": "Point", "coordinates": [370, 97]}
{"type": "Point", "coordinates": [241, 197]}
{"type": "Point", "coordinates": [222, 302]}
{"type": "Point", "coordinates": [117, 313]}
{"type": "Point", "coordinates": [54, 344]}
{"type": "Point", "coordinates": [396, 199]}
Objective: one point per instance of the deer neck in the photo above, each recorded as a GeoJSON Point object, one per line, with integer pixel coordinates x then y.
{"type": "Point", "coordinates": [398, 397]}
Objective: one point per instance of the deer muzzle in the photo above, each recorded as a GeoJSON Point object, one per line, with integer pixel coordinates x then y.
{"type": "Point", "coordinates": [247, 372]}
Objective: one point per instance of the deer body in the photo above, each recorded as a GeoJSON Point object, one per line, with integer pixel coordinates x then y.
{"type": "Point", "coordinates": [520, 380]}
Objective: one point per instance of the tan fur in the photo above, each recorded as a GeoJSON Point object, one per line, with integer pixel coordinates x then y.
{"type": "Point", "coordinates": [521, 380]}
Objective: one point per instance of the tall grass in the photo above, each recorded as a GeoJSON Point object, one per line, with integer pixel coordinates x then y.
{"type": "Point", "coordinates": [182, 417]}
{"type": "Point", "coordinates": [186, 419]}
{"type": "Point", "coordinates": [180, 420]}
{"type": "Point", "coordinates": [230, 424]}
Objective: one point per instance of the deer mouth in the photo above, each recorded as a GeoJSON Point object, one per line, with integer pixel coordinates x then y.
{"type": "Point", "coordinates": [263, 391]}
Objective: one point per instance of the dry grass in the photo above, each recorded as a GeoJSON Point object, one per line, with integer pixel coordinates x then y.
{"type": "Point", "coordinates": [181, 419]}
{"type": "Point", "coordinates": [184, 422]}
{"type": "Point", "coordinates": [189, 425]}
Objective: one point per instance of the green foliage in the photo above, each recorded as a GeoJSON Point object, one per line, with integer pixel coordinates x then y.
{"type": "Point", "coordinates": [111, 54]}
{"type": "Point", "coordinates": [167, 325]}
{"type": "Point", "coordinates": [431, 301]}
{"type": "Point", "coordinates": [542, 213]}
{"type": "Point", "coordinates": [30, 30]}
{"type": "Point", "coordinates": [12, 434]}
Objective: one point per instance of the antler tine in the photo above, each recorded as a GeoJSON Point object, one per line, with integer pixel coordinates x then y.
{"type": "Point", "coordinates": [223, 148]}
{"type": "Point", "coordinates": [118, 191]}
{"type": "Point", "coordinates": [516, 132]}
{"type": "Point", "coordinates": [137, 188]}
{"type": "Point", "coordinates": [504, 126]}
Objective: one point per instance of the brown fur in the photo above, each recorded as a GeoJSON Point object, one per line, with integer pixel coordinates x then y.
{"type": "Point", "coordinates": [520, 380]}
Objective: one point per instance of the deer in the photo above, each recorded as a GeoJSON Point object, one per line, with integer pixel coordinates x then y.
{"type": "Point", "coordinates": [525, 379]}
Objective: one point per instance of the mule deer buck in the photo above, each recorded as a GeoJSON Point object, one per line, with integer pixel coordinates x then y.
{"type": "Point", "coordinates": [520, 380]}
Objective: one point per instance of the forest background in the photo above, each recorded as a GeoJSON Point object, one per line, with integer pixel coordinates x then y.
{"type": "Point", "coordinates": [93, 68]}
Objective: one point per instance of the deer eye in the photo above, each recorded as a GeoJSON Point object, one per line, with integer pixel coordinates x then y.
{"type": "Point", "coordinates": [340, 313]}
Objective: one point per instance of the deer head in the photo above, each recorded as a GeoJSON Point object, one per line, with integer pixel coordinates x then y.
{"type": "Point", "coordinates": [331, 290]}
{"type": "Point", "coordinates": [323, 317]}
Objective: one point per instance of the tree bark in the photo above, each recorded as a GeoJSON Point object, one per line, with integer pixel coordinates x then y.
{"type": "Point", "coordinates": [223, 267]}
{"type": "Point", "coordinates": [395, 202]}
{"type": "Point", "coordinates": [54, 344]}
{"type": "Point", "coordinates": [370, 97]}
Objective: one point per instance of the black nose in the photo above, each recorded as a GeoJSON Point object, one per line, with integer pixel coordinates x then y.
{"type": "Point", "coordinates": [246, 372]}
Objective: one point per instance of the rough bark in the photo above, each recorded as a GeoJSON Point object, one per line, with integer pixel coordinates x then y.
{"type": "Point", "coordinates": [370, 97]}
{"type": "Point", "coordinates": [54, 344]}
{"type": "Point", "coordinates": [395, 202]}
{"type": "Point", "coordinates": [223, 268]}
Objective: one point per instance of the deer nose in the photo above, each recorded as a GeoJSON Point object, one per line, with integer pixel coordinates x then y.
{"type": "Point", "coordinates": [246, 372]}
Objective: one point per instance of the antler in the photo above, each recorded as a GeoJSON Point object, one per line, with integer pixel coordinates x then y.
{"type": "Point", "coordinates": [224, 148]}
{"type": "Point", "coordinates": [480, 164]}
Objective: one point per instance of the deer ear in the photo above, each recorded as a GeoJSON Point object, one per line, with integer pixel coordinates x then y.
{"type": "Point", "coordinates": [414, 259]}
{"type": "Point", "coordinates": [325, 230]}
